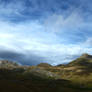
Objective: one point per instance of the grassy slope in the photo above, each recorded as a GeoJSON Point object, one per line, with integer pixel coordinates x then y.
{"type": "Point", "coordinates": [12, 81]}
{"type": "Point", "coordinates": [75, 77]}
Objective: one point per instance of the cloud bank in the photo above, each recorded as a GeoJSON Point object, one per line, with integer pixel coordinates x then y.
{"type": "Point", "coordinates": [45, 30]}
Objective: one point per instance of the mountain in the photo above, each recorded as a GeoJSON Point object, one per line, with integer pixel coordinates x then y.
{"type": "Point", "coordinates": [86, 55]}
{"type": "Point", "coordinates": [74, 77]}
{"type": "Point", "coordinates": [84, 60]}
{"type": "Point", "coordinates": [6, 64]}
{"type": "Point", "coordinates": [44, 65]}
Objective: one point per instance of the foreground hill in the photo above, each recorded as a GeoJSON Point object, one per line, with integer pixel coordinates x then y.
{"type": "Point", "coordinates": [73, 77]}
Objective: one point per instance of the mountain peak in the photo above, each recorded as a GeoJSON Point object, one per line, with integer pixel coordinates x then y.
{"type": "Point", "coordinates": [84, 60]}
{"type": "Point", "coordinates": [86, 55]}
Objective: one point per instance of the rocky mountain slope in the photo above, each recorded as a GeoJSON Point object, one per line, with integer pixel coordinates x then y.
{"type": "Point", "coordinates": [74, 77]}
{"type": "Point", "coordinates": [6, 63]}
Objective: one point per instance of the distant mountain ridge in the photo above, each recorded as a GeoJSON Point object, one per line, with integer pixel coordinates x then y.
{"type": "Point", "coordinates": [6, 63]}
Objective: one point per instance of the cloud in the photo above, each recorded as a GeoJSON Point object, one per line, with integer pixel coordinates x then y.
{"type": "Point", "coordinates": [30, 43]}
{"type": "Point", "coordinates": [61, 33]}
{"type": "Point", "coordinates": [24, 59]}
{"type": "Point", "coordinates": [57, 23]}
{"type": "Point", "coordinates": [16, 10]}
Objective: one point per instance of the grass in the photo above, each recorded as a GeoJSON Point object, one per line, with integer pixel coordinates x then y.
{"type": "Point", "coordinates": [74, 77]}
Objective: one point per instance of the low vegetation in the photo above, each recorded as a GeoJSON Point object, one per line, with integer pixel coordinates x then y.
{"type": "Point", "coordinates": [73, 77]}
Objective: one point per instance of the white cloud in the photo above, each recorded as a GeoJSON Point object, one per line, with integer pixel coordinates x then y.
{"type": "Point", "coordinates": [58, 23]}
{"type": "Point", "coordinates": [42, 39]}
{"type": "Point", "coordinates": [31, 37]}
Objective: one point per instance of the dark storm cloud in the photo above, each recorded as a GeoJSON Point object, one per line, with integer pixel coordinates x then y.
{"type": "Point", "coordinates": [24, 59]}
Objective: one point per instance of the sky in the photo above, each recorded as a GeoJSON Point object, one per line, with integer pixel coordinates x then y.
{"type": "Point", "coordinates": [49, 31]}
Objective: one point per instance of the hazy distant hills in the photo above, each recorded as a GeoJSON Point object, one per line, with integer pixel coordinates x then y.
{"type": "Point", "coordinates": [73, 77]}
